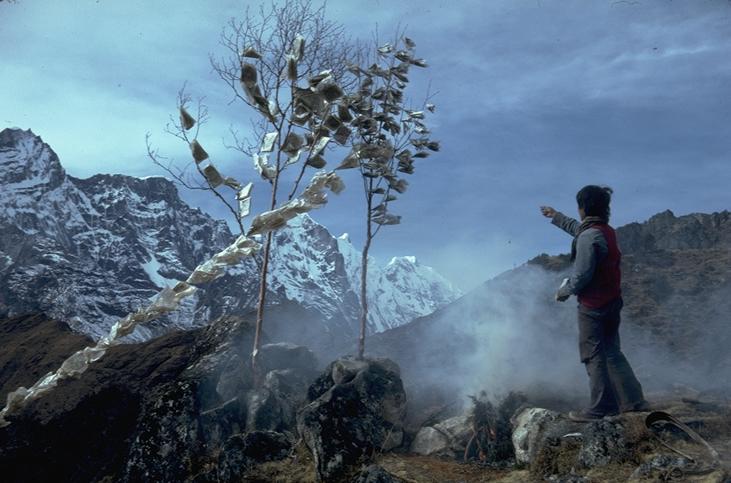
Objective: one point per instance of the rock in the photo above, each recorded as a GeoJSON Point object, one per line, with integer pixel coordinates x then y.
{"type": "Point", "coordinates": [220, 423]}
{"type": "Point", "coordinates": [346, 369]}
{"type": "Point", "coordinates": [264, 411]}
{"type": "Point", "coordinates": [430, 441]}
{"type": "Point", "coordinates": [458, 428]}
{"type": "Point", "coordinates": [529, 424]}
{"type": "Point", "coordinates": [189, 423]}
{"type": "Point", "coordinates": [233, 382]}
{"type": "Point", "coordinates": [560, 447]}
{"type": "Point", "coordinates": [347, 422]}
{"type": "Point", "coordinates": [166, 445]}
{"type": "Point", "coordinates": [241, 452]}
{"type": "Point", "coordinates": [376, 474]}
{"type": "Point", "coordinates": [447, 438]}
{"type": "Point", "coordinates": [183, 421]}
{"type": "Point", "coordinates": [604, 442]}
{"type": "Point", "coordinates": [274, 405]}
{"type": "Point", "coordinates": [659, 466]}
{"type": "Point", "coordinates": [284, 355]}
{"type": "Point", "coordinates": [665, 467]}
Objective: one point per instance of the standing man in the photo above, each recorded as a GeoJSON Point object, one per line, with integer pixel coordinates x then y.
{"type": "Point", "coordinates": [596, 282]}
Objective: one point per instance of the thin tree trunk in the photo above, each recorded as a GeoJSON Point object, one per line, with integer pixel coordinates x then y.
{"type": "Point", "coordinates": [261, 302]}
{"type": "Point", "coordinates": [263, 287]}
{"type": "Point", "coordinates": [364, 300]}
{"type": "Point", "coordinates": [364, 282]}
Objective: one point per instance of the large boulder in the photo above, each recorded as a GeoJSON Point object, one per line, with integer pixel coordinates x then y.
{"type": "Point", "coordinates": [167, 446]}
{"type": "Point", "coordinates": [357, 408]}
{"type": "Point", "coordinates": [554, 446]}
{"type": "Point", "coordinates": [242, 451]}
{"type": "Point", "coordinates": [287, 370]}
{"type": "Point", "coordinates": [430, 441]}
{"type": "Point", "coordinates": [215, 405]}
{"type": "Point", "coordinates": [528, 425]}
{"type": "Point", "coordinates": [184, 420]}
{"type": "Point", "coordinates": [604, 442]}
{"type": "Point", "coordinates": [447, 438]}
{"type": "Point", "coordinates": [284, 355]}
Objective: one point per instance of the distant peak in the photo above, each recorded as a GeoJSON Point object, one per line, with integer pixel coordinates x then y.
{"type": "Point", "coordinates": [345, 237]}
{"type": "Point", "coordinates": [301, 220]}
{"type": "Point", "coordinates": [410, 259]}
{"type": "Point", "coordinates": [151, 188]}
{"type": "Point", "coordinates": [12, 135]}
{"type": "Point", "coordinates": [27, 161]}
{"type": "Point", "coordinates": [667, 214]}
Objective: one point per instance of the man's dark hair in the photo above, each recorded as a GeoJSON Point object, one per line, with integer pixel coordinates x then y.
{"type": "Point", "coordinates": [594, 200]}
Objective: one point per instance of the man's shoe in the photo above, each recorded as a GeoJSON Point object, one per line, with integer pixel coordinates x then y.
{"type": "Point", "coordinates": [583, 417]}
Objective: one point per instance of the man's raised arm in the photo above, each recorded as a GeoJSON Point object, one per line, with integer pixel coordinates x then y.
{"type": "Point", "coordinates": [566, 223]}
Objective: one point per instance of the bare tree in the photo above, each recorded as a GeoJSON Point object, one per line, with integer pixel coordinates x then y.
{"type": "Point", "coordinates": [208, 179]}
{"type": "Point", "coordinates": [287, 63]}
{"type": "Point", "coordinates": [389, 138]}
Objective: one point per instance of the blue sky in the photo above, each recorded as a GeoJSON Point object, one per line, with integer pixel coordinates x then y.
{"type": "Point", "coordinates": [535, 99]}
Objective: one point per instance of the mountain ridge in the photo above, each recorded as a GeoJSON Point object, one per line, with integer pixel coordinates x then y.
{"type": "Point", "coordinates": [91, 250]}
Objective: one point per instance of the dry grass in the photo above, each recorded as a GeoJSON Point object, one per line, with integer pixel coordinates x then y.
{"type": "Point", "coordinates": [298, 468]}
{"type": "Point", "coordinates": [427, 469]}
{"type": "Point", "coordinates": [558, 457]}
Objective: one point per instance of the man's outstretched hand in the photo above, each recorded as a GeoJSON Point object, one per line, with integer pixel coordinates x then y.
{"type": "Point", "coordinates": [548, 212]}
{"type": "Point", "coordinates": [561, 295]}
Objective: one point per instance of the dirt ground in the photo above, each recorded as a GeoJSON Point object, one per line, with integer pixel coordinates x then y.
{"type": "Point", "coordinates": [711, 419]}
{"type": "Point", "coordinates": [425, 469]}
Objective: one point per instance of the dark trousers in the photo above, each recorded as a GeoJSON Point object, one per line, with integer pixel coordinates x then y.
{"type": "Point", "coordinates": [612, 382]}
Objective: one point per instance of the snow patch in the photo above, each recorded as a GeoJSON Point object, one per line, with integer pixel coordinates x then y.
{"type": "Point", "coordinates": [152, 268]}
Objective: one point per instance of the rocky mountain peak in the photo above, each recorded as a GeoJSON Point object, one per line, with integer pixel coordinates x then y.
{"type": "Point", "coordinates": [408, 262]}
{"type": "Point", "coordinates": [665, 231]}
{"type": "Point", "coordinates": [152, 189]}
{"type": "Point", "coordinates": [27, 162]}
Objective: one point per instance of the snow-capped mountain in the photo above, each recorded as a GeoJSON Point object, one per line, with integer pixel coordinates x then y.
{"type": "Point", "coordinates": [398, 291]}
{"type": "Point", "coordinates": [91, 250]}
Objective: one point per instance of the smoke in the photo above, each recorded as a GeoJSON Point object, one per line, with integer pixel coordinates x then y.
{"type": "Point", "coordinates": [521, 339]}
{"type": "Point", "coordinates": [509, 334]}
{"type": "Point", "coordinates": [687, 344]}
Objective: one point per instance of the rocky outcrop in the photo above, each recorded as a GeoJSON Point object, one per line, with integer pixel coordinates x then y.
{"type": "Point", "coordinates": [85, 427]}
{"type": "Point", "coordinates": [182, 407]}
{"type": "Point", "coordinates": [665, 231]}
{"type": "Point", "coordinates": [242, 451]}
{"type": "Point", "coordinates": [216, 407]}
{"type": "Point", "coordinates": [356, 409]}
{"type": "Point", "coordinates": [551, 444]}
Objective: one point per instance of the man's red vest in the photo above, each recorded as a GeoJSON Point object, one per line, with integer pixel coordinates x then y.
{"type": "Point", "coordinates": [605, 285]}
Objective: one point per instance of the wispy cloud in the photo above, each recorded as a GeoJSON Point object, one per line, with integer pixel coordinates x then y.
{"type": "Point", "coordinates": [535, 99]}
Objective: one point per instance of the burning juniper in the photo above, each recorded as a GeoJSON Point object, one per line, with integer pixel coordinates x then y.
{"type": "Point", "coordinates": [491, 441]}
